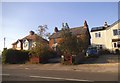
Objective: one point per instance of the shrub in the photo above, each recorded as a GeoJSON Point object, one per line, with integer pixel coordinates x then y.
{"type": "Point", "coordinates": [14, 56]}
{"type": "Point", "coordinates": [117, 51]}
{"type": "Point", "coordinates": [43, 52]}
{"type": "Point", "coordinates": [47, 54]}
{"type": "Point", "coordinates": [71, 45]}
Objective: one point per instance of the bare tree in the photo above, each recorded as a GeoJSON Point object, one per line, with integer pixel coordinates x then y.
{"type": "Point", "coordinates": [42, 31]}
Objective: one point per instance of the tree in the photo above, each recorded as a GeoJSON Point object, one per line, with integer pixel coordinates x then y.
{"type": "Point", "coordinates": [71, 47]}
{"type": "Point", "coordinates": [41, 49]}
{"type": "Point", "coordinates": [42, 31]}
{"type": "Point", "coordinates": [70, 44]}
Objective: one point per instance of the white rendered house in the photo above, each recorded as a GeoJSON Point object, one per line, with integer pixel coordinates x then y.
{"type": "Point", "coordinates": [107, 36]}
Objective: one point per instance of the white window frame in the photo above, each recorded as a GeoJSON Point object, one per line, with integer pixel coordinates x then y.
{"type": "Point", "coordinates": [115, 44]}
{"type": "Point", "coordinates": [118, 32]}
{"type": "Point", "coordinates": [97, 35]}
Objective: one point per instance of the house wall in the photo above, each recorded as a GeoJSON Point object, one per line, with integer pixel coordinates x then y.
{"type": "Point", "coordinates": [51, 41]}
{"type": "Point", "coordinates": [18, 46]}
{"type": "Point", "coordinates": [99, 40]}
{"type": "Point", "coordinates": [84, 38]}
{"type": "Point", "coordinates": [14, 46]}
{"type": "Point", "coordinates": [25, 45]}
{"type": "Point", "coordinates": [106, 37]}
{"type": "Point", "coordinates": [110, 36]}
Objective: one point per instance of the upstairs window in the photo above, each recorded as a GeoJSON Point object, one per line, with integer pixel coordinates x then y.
{"type": "Point", "coordinates": [116, 32]}
{"type": "Point", "coordinates": [55, 41]}
{"type": "Point", "coordinates": [25, 44]}
{"type": "Point", "coordinates": [98, 35]}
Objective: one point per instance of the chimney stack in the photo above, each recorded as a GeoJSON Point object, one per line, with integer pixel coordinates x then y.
{"type": "Point", "coordinates": [63, 25]}
{"type": "Point", "coordinates": [55, 30]}
{"type": "Point", "coordinates": [85, 24]}
{"type": "Point", "coordinates": [32, 33]}
{"type": "Point", "coordinates": [105, 25]}
{"type": "Point", "coordinates": [66, 26]}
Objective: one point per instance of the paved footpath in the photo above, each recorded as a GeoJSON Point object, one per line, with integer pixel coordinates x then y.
{"type": "Point", "coordinates": [105, 67]}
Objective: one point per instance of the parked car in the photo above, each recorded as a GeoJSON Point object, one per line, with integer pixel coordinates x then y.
{"type": "Point", "coordinates": [92, 52]}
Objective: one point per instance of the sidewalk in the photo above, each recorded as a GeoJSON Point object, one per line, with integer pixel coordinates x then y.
{"type": "Point", "coordinates": [105, 67]}
{"type": "Point", "coordinates": [106, 63]}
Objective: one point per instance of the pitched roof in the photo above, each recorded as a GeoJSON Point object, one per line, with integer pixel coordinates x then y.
{"type": "Point", "coordinates": [75, 31]}
{"type": "Point", "coordinates": [104, 28]}
{"type": "Point", "coordinates": [33, 37]}
{"type": "Point", "coordinates": [15, 43]}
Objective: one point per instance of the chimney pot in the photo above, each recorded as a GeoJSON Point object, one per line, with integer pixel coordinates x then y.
{"type": "Point", "coordinates": [105, 25]}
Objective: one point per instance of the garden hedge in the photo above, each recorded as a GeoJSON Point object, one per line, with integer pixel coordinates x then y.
{"type": "Point", "coordinates": [15, 56]}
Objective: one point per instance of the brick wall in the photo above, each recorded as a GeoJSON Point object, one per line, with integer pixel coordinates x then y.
{"type": "Point", "coordinates": [51, 42]}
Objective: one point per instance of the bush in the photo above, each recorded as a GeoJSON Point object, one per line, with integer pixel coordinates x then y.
{"type": "Point", "coordinates": [117, 51]}
{"type": "Point", "coordinates": [14, 56]}
{"type": "Point", "coordinates": [47, 54]}
{"type": "Point", "coordinates": [43, 52]}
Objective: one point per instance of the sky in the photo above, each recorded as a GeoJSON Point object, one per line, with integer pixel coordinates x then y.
{"type": "Point", "coordinates": [18, 18]}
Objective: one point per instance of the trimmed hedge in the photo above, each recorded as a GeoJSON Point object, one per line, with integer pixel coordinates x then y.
{"type": "Point", "coordinates": [15, 56]}
{"type": "Point", "coordinates": [46, 55]}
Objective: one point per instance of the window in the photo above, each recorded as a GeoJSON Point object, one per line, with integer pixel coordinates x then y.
{"type": "Point", "coordinates": [55, 41]}
{"type": "Point", "coordinates": [118, 44]}
{"type": "Point", "coordinates": [101, 47]}
{"type": "Point", "coordinates": [97, 35]}
{"type": "Point", "coordinates": [116, 32]}
{"type": "Point", "coordinates": [25, 44]}
{"type": "Point", "coordinates": [115, 45]}
{"type": "Point", "coordinates": [119, 31]}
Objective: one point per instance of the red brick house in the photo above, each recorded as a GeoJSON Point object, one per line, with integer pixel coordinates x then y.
{"type": "Point", "coordinates": [81, 32]}
{"type": "Point", "coordinates": [28, 42]}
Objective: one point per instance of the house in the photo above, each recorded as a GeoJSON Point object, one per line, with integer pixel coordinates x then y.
{"type": "Point", "coordinates": [81, 32]}
{"type": "Point", "coordinates": [28, 42]}
{"type": "Point", "coordinates": [107, 36]}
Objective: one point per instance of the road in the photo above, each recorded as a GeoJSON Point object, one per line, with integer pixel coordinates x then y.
{"type": "Point", "coordinates": [32, 74]}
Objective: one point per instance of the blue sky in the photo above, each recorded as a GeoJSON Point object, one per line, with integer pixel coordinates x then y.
{"type": "Point", "coordinates": [18, 18]}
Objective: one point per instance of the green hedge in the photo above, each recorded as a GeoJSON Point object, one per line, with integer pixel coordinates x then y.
{"type": "Point", "coordinates": [48, 54]}
{"type": "Point", "coordinates": [14, 56]}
